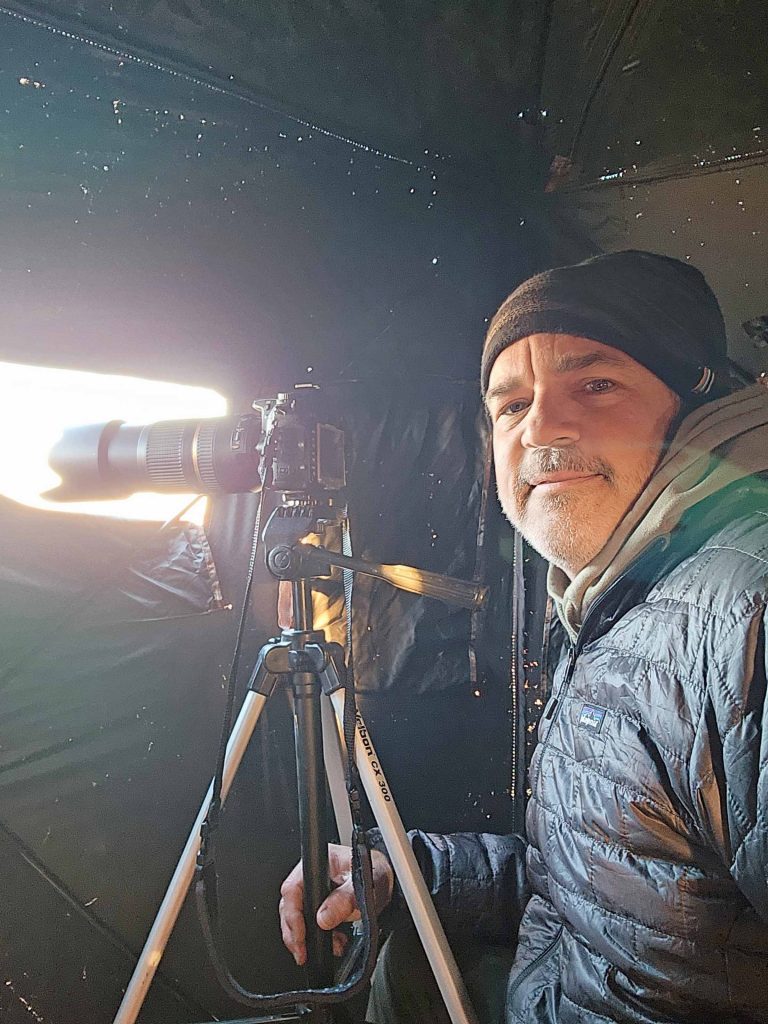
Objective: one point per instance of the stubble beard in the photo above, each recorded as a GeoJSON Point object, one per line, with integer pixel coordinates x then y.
{"type": "Point", "coordinates": [563, 528]}
{"type": "Point", "coordinates": [569, 528]}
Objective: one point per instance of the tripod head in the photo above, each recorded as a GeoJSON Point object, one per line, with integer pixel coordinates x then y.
{"type": "Point", "coordinates": [289, 557]}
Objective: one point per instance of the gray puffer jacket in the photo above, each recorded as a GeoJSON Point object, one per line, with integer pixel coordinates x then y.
{"type": "Point", "coordinates": [647, 829]}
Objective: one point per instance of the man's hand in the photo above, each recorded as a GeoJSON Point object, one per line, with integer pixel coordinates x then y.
{"type": "Point", "coordinates": [338, 907]}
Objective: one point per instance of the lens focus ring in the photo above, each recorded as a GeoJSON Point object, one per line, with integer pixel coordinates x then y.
{"type": "Point", "coordinates": [164, 456]}
{"type": "Point", "coordinates": [180, 455]}
{"type": "Point", "coordinates": [202, 454]}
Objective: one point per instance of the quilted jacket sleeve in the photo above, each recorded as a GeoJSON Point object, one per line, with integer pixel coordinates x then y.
{"type": "Point", "coordinates": [730, 763]}
{"type": "Point", "coordinates": [746, 765]}
{"type": "Point", "coordinates": [477, 881]}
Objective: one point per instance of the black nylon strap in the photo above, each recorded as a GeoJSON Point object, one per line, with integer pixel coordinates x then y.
{"type": "Point", "coordinates": [207, 851]}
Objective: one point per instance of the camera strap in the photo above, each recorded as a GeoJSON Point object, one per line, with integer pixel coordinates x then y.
{"type": "Point", "coordinates": [206, 877]}
{"type": "Point", "coordinates": [205, 871]}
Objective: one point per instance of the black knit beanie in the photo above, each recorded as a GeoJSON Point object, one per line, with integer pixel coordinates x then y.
{"type": "Point", "coordinates": [658, 310]}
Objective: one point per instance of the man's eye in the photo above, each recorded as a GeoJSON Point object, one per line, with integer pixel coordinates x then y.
{"type": "Point", "coordinates": [514, 408]}
{"type": "Point", "coordinates": [600, 386]}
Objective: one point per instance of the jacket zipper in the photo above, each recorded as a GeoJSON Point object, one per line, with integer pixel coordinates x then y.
{"type": "Point", "coordinates": [545, 954]}
{"type": "Point", "coordinates": [554, 704]}
{"type": "Point", "coordinates": [513, 685]}
{"type": "Point", "coordinates": [551, 713]}
{"type": "Point", "coordinates": [518, 699]}
{"type": "Point", "coordinates": [576, 649]}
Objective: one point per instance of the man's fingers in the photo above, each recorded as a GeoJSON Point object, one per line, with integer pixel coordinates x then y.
{"type": "Point", "coordinates": [293, 930]}
{"type": "Point", "coordinates": [340, 943]}
{"type": "Point", "coordinates": [340, 906]}
{"type": "Point", "coordinates": [383, 880]}
{"type": "Point", "coordinates": [294, 881]}
{"type": "Point", "coordinates": [292, 925]}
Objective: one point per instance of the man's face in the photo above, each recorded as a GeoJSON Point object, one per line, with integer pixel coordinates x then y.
{"type": "Point", "coordinates": [578, 428]}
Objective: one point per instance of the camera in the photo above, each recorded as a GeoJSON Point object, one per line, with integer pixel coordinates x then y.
{"type": "Point", "coordinates": [283, 444]}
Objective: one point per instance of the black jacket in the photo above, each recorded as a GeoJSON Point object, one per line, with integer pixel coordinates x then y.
{"type": "Point", "coordinates": [645, 894]}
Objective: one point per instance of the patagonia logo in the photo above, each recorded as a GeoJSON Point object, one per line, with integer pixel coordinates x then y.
{"type": "Point", "coordinates": [591, 718]}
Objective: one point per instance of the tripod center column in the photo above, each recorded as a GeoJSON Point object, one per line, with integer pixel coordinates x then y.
{"type": "Point", "coordinates": [310, 771]}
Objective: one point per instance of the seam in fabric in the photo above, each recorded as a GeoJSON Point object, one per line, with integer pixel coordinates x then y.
{"type": "Point", "coordinates": [581, 1010]}
{"type": "Point", "coordinates": [672, 667]}
{"type": "Point", "coordinates": [697, 571]}
{"type": "Point", "coordinates": [608, 844]}
{"type": "Point", "coordinates": [620, 786]}
{"type": "Point", "coordinates": [744, 839]}
{"type": "Point", "coordinates": [727, 547]}
{"type": "Point", "coordinates": [736, 702]}
{"type": "Point", "coordinates": [621, 918]}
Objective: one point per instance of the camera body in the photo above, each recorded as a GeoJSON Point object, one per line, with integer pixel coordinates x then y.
{"type": "Point", "coordinates": [307, 456]}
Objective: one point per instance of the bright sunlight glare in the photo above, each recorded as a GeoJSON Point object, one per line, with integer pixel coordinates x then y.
{"type": "Point", "coordinates": [37, 403]}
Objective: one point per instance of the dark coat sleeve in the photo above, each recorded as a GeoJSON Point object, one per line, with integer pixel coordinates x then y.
{"type": "Point", "coordinates": [477, 881]}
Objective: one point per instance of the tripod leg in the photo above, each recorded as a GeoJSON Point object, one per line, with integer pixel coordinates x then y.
{"type": "Point", "coordinates": [409, 876]}
{"type": "Point", "coordinates": [334, 769]}
{"type": "Point", "coordinates": [174, 897]}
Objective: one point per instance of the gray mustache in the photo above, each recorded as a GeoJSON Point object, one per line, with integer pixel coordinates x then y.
{"type": "Point", "coordinates": [560, 460]}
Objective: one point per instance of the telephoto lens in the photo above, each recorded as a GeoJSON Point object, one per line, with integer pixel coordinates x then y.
{"type": "Point", "coordinates": [114, 460]}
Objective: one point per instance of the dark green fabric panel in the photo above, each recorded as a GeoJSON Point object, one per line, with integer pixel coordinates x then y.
{"type": "Point", "coordinates": [410, 73]}
{"type": "Point", "coordinates": [654, 87]}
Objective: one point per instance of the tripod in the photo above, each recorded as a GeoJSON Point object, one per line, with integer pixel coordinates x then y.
{"type": "Point", "coordinates": [316, 671]}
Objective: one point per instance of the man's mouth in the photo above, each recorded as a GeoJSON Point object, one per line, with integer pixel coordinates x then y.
{"type": "Point", "coordinates": [552, 482]}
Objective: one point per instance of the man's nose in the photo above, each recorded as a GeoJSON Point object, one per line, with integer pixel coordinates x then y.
{"type": "Point", "coordinates": [551, 422]}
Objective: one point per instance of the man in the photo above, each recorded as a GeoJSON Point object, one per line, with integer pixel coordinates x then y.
{"type": "Point", "coordinates": [622, 456]}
